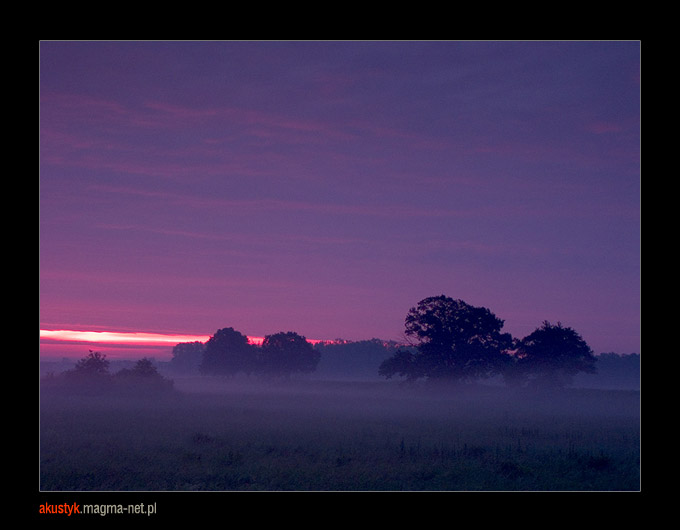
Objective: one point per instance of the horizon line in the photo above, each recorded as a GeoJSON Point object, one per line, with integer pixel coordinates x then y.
{"type": "Point", "coordinates": [156, 339]}
{"type": "Point", "coordinates": [124, 337]}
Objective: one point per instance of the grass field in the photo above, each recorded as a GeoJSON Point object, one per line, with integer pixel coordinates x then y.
{"type": "Point", "coordinates": [314, 436]}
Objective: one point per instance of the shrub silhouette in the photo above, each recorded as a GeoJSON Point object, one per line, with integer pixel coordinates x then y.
{"type": "Point", "coordinates": [143, 377]}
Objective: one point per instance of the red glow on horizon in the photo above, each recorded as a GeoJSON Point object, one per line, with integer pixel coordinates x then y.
{"type": "Point", "coordinates": [132, 338]}
{"type": "Point", "coordinates": [110, 337]}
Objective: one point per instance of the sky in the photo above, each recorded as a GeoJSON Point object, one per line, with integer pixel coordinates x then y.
{"type": "Point", "coordinates": [326, 187]}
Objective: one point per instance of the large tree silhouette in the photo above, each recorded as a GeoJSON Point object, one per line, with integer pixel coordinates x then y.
{"type": "Point", "coordinates": [228, 352]}
{"type": "Point", "coordinates": [453, 341]}
{"type": "Point", "coordinates": [285, 353]}
{"type": "Point", "coordinates": [552, 355]}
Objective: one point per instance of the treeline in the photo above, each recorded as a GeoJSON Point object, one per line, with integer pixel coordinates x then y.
{"type": "Point", "coordinates": [92, 374]}
{"type": "Point", "coordinates": [449, 340]}
{"type": "Point", "coordinates": [228, 353]}
{"type": "Point", "coordinates": [614, 370]}
{"type": "Point", "coordinates": [457, 342]}
{"type": "Point", "coordinates": [360, 360]}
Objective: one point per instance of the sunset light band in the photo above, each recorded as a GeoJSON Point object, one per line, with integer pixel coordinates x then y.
{"type": "Point", "coordinates": [111, 337]}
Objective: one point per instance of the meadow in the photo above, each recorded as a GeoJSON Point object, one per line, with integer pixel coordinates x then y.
{"type": "Point", "coordinates": [217, 435]}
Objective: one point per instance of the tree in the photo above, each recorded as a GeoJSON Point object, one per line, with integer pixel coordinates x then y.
{"type": "Point", "coordinates": [142, 377]}
{"type": "Point", "coordinates": [90, 375]}
{"type": "Point", "coordinates": [552, 355]}
{"type": "Point", "coordinates": [143, 368]}
{"type": "Point", "coordinates": [453, 341]}
{"type": "Point", "coordinates": [402, 363]}
{"type": "Point", "coordinates": [187, 357]}
{"type": "Point", "coordinates": [285, 353]}
{"type": "Point", "coordinates": [91, 366]}
{"type": "Point", "coordinates": [228, 352]}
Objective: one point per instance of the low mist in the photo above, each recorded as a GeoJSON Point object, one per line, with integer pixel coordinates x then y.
{"type": "Point", "coordinates": [304, 434]}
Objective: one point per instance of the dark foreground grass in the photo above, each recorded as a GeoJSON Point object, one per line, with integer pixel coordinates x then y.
{"type": "Point", "coordinates": [341, 437]}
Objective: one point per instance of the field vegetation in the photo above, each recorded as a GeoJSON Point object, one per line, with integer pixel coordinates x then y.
{"type": "Point", "coordinates": [231, 434]}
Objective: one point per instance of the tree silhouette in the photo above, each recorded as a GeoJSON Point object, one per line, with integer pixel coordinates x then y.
{"type": "Point", "coordinates": [454, 341]}
{"type": "Point", "coordinates": [552, 355]}
{"type": "Point", "coordinates": [90, 375]}
{"type": "Point", "coordinates": [92, 366]}
{"type": "Point", "coordinates": [228, 352]}
{"type": "Point", "coordinates": [143, 368]}
{"type": "Point", "coordinates": [402, 363]}
{"type": "Point", "coordinates": [285, 353]}
{"type": "Point", "coordinates": [187, 357]}
{"type": "Point", "coordinates": [142, 377]}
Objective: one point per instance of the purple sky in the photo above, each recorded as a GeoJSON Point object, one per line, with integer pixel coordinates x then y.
{"type": "Point", "coordinates": [327, 187]}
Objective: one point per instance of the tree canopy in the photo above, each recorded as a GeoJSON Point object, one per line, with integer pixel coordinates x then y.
{"type": "Point", "coordinates": [143, 368]}
{"type": "Point", "coordinates": [552, 355]}
{"type": "Point", "coordinates": [228, 352]}
{"type": "Point", "coordinates": [94, 365]}
{"type": "Point", "coordinates": [285, 353]}
{"type": "Point", "coordinates": [453, 340]}
{"type": "Point", "coordinates": [187, 357]}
